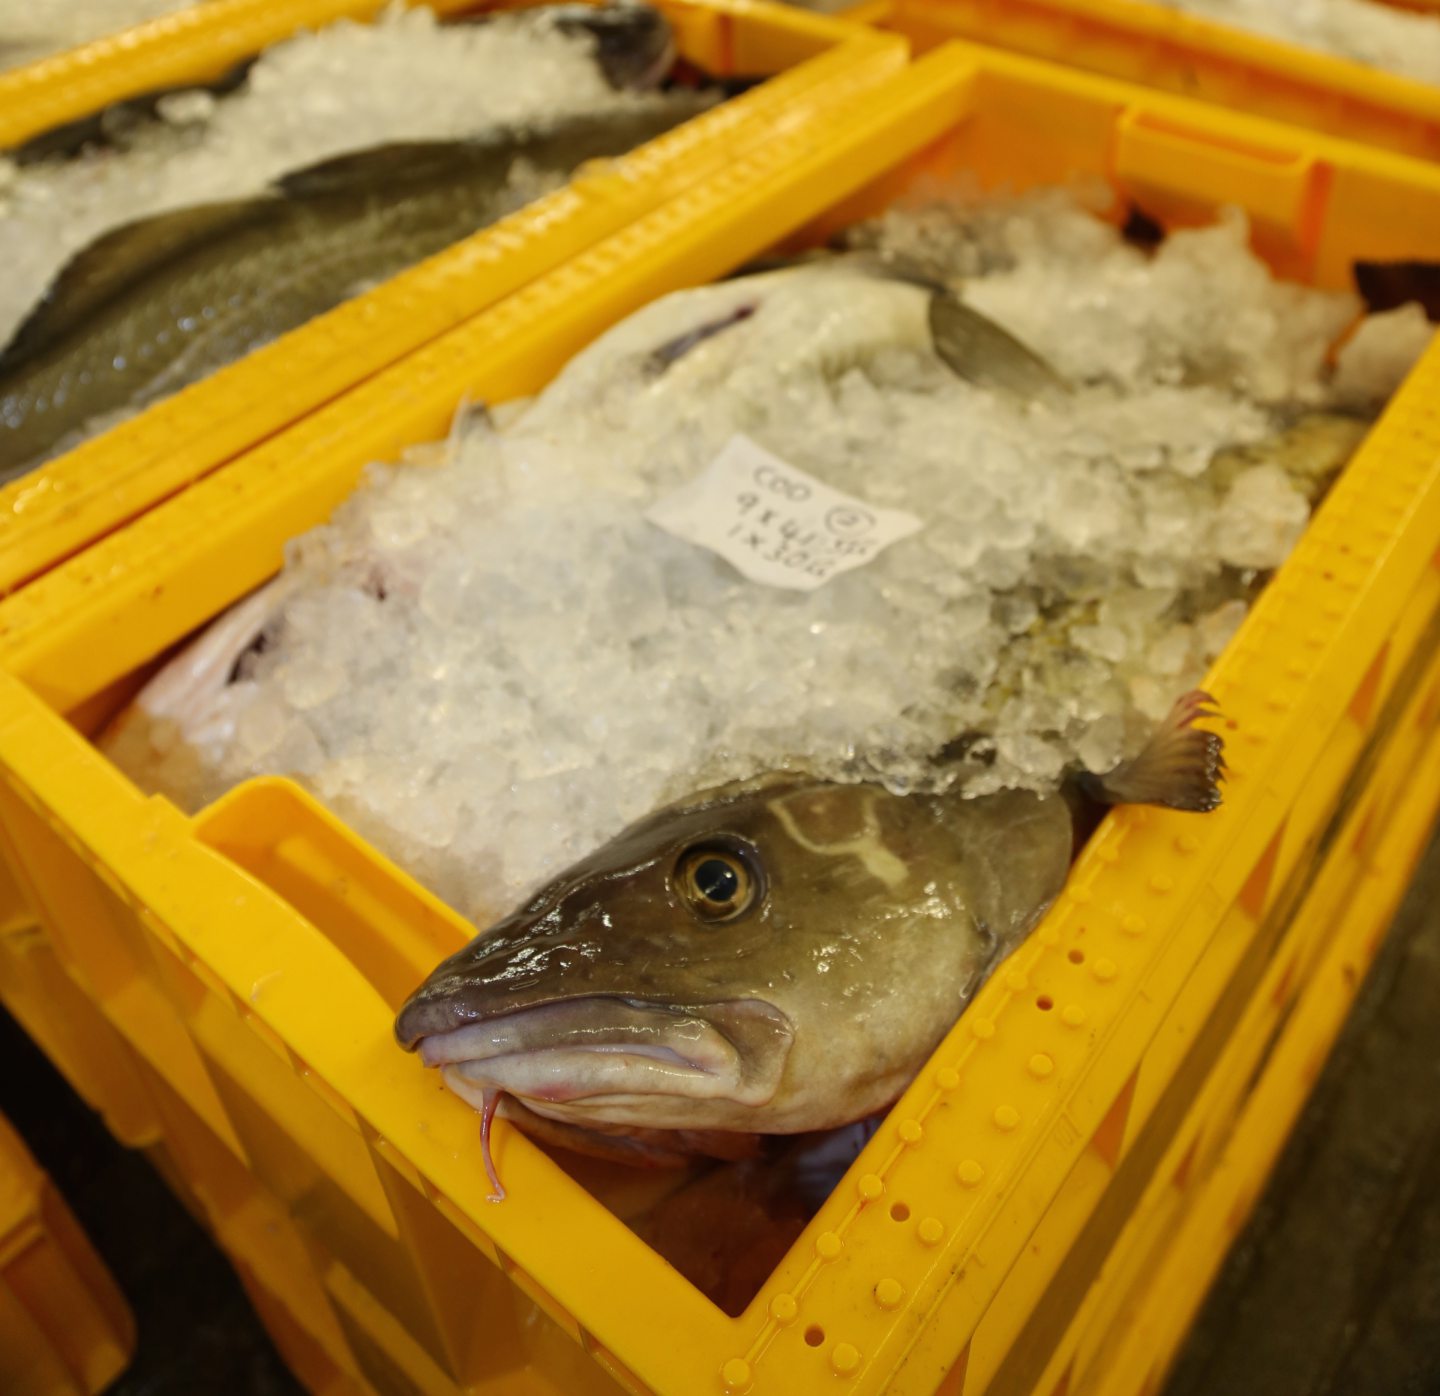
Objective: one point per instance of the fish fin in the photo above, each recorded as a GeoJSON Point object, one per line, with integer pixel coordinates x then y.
{"type": "Point", "coordinates": [575, 139]}
{"type": "Point", "coordinates": [384, 166]}
{"type": "Point", "coordinates": [978, 350]}
{"type": "Point", "coordinates": [1181, 766]}
{"type": "Point", "coordinates": [116, 261]}
{"type": "Point", "coordinates": [971, 345]}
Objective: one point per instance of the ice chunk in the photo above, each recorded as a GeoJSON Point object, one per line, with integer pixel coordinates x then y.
{"type": "Point", "coordinates": [1375, 360]}
{"type": "Point", "coordinates": [1260, 518]}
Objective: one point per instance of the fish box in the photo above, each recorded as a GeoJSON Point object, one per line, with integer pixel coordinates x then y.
{"type": "Point", "coordinates": [65, 1329]}
{"type": "Point", "coordinates": [55, 510]}
{"type": "Point", "coordinates": [1191, 56]}
{"type": "Point", "coordinates": [1123, 1082]}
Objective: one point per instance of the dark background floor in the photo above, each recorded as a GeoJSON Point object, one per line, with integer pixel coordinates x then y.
{"type": "Point", "coordinates": [1333, 1288]}
{"type": "Point", "coordinates": [197, 1335]}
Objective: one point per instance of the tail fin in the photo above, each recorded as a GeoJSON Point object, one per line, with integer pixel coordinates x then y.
{"type": "Point", "coordinates": [1181, 766]}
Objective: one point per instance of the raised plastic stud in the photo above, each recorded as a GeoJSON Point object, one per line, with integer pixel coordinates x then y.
{"type": "Point", "coordinates": [1162, 883]}
{"type": "Point", "coordinates": [1108, 853]}
{"type": "Point", "coordinates": [1015, 979]}
{"type": "Point", "coordinates": [1006, 1117]}
{"type": "Point", "coordinates": [1133, 925]}
{"type": "Point", "coordinates": [910, 1131]}
{"type": "Point", "coordinates": [783, 1308]}
{"type": "Point", "coordinates": [827, 1245]}
{"type": "Point", "coordinates": [969, 1173]}
{"type": "Point", "coordinates": [1081, 896]}
{"type": "Point", "coordinates": [983, 1028]}
{"type": "Point", "coordinates": [1072, 1015]}
{"type": "Point", "coordinates": [1047, 934]}
{"type": "Point", "coordinates": [1104, 970]}
{"type": "Point", "coordinates": [889, 1293]}
{"type": "Point", "coordinates": [871, 1186]}
{"type": "Point", "coordinates": [1041, 1065]}
{"type": "Point", "coordinates": [737, 1376]}
{"type": "Point", "coordinates": [1187, 843]}
{"type": "Point", "coordinates": [845, 1358]}
{"type": "Point", "coordinates": [947, 1078]}
{"type": "Point", "coordinates": [930, 1231]}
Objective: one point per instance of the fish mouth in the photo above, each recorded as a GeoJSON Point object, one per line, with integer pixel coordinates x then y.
{"type": "Point", "coordinates": [613, 1051]}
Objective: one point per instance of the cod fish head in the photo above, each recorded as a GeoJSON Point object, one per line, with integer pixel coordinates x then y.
{"type": "Point", "coordinates": [769, 958]}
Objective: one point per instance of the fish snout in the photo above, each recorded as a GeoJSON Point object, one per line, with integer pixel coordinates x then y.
{"type": "Point", "coordinates": [428, 1013]}
{"type": "Point", "coordinates": [509, 968]}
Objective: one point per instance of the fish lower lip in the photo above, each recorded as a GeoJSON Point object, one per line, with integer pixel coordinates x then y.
{"type": "Point", "coordinates": [591, 1026]}
{"type": "Point", "coordinates": [439, 1052]}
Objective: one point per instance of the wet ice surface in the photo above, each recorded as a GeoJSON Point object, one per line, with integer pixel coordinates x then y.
{"type": "Point", "coordinates": [345, 88]}
{"type": "Point", "coordinates": [30, 31]}
{"type": "Point", "coordinates": [490, 661]}
{"type": "Point", "coordinates": [1365, 31]}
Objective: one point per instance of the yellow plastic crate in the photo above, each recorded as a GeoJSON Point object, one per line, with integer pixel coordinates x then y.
{"type": "Point", "coordinates": [1001, 1228]}
{"type": "Point", "coordinates": [65, 1329]}
{"type": "Point", "coordinates": [1189, 56]}
{"type": "Point", "coordinates": [54, 511]}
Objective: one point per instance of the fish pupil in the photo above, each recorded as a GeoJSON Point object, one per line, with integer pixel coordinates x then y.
{"type": "Point", "coordinates": [716, 880]}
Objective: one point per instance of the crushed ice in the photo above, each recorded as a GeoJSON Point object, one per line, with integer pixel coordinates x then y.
{"type": "Point", "coordinates": [489, 661]}
{"type": "Point", "coordinates": [1401, 41]}
{"type": "Point", "coordinates": [346, 87]}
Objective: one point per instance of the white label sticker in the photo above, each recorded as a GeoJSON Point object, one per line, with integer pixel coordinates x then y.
{"type": "Point", "coordinates": [774, 522]}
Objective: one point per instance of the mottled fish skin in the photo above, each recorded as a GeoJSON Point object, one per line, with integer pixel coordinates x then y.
{"type": "Point", "coordinates": [617, 1008]}
{"type": "Point", "coordinates": [278, 262]}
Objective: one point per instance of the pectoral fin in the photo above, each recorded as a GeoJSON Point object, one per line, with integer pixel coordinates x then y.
{"type": "Point", "coordinates": [978, 350]}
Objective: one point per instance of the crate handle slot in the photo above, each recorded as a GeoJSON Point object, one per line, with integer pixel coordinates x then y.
{"type": "Point", "coordinates": [389, 927]}
{"type": "Point", "coordinates": [1186, 174]}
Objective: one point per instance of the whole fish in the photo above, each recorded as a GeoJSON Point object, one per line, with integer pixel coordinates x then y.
{"type": "Point", "coordinates": [160, 303]}
{"type": "Point", "coordinates": [773, 957]}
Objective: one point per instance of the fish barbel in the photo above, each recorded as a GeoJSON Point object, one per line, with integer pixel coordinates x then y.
{"type": "Point", "coordinates": [160, 303]}
{"type": "Point", "coordinates": [774, 957]}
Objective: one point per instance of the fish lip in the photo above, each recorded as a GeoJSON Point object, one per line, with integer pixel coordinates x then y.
{"type": "Point", "coordinates": [601, 1046]}
{"type": "Point", "coordinates": [571, 1023]}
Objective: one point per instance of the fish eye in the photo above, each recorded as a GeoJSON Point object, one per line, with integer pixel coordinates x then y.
{"type": "Point", "coordinates": [716, 883]}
